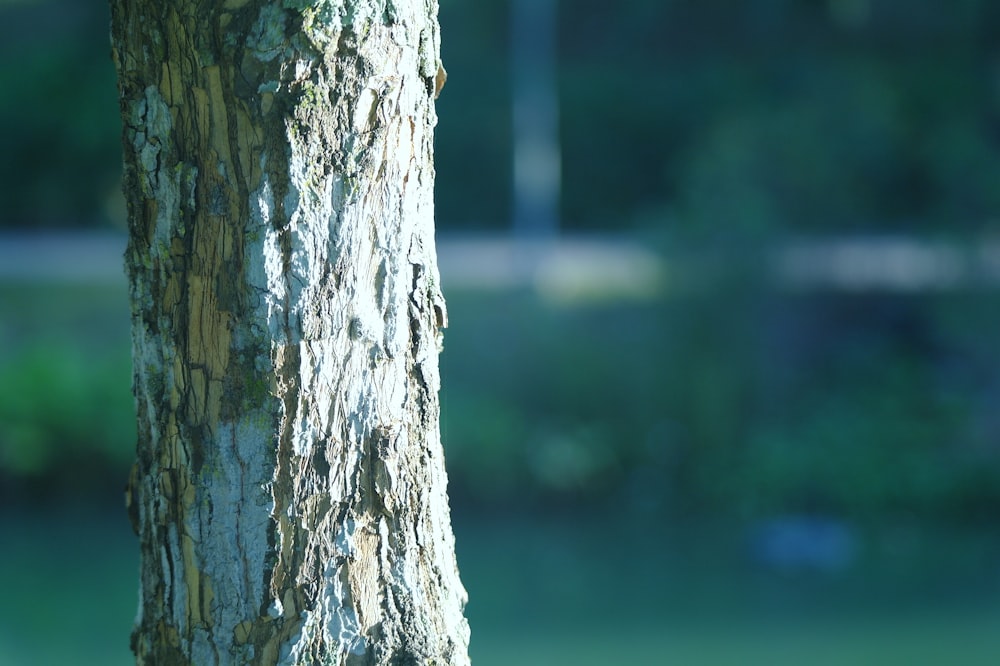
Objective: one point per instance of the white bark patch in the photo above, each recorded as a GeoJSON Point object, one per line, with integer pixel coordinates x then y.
{"type": "Point", "coordinates": [234, 504]}
{"type": "Point", "coordinates": [364, 112]}
{"type": "Point", "coordinates": [150, 129]}
{"type": "Point", "coordinates": [265, 261]}
{"type": "Point", "coordinates": [267, 40]}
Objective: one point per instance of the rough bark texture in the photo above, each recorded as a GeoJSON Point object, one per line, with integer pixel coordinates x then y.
{"type": "Point", "coordinates": [289, 489]}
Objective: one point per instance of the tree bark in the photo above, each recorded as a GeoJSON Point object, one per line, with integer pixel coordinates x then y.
{"type": "Point", "coordinates": [289, 488]}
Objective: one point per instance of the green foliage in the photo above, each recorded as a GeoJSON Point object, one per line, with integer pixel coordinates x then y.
{"type": "Point", "coordinates": [778, 115]}
{"type": "Point", "coordinates": [762, 116]}
{"type": "Point", "coordinates": [62, 408]}
{"type": "Point", "coordinates": [67, 416]}
{"type": "Point", "coordinates": [61, 144]}
{"type": "Point", "coordinates": [741, 403]}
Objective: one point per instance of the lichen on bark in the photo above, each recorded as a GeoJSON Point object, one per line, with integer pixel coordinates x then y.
{"type": "Point", "coordinates": [289, 489]}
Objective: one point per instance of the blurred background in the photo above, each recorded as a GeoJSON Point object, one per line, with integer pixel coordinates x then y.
{"type": "Point", "coordinates": [722, 376]}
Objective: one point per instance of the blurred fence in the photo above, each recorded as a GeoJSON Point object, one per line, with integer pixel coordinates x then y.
{"type": "Point", "coordinates": [598, 265]}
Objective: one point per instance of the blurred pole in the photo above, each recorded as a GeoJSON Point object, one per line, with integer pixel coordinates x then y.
{"type": "Point", "coordinates": [535, 118]}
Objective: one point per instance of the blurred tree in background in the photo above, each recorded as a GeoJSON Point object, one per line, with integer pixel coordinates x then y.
{"type": "Point", "coordinates": [61, 162]}
{"type": "Point", "coordinates": [701, 116]}
{"type": "Point", "coordinates": [778, 115]}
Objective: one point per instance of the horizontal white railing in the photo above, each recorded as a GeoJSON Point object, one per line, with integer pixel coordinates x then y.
{"type": "Point", "coordinates": [595, 266]}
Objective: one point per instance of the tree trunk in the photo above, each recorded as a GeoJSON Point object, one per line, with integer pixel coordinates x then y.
{"type": "Point", "coordinates": [289, 489]}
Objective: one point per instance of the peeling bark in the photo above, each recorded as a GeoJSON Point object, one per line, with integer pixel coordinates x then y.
{"type": "Point", "coordinates": [289, 488]}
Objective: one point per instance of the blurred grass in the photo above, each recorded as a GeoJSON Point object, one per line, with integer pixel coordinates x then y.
{"type": "Point", "coordinates": [920, 640]}
{"type": "Point", "coordinates": [557, 590]}
{"type": "Point", "coordinates": [69, 576]}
